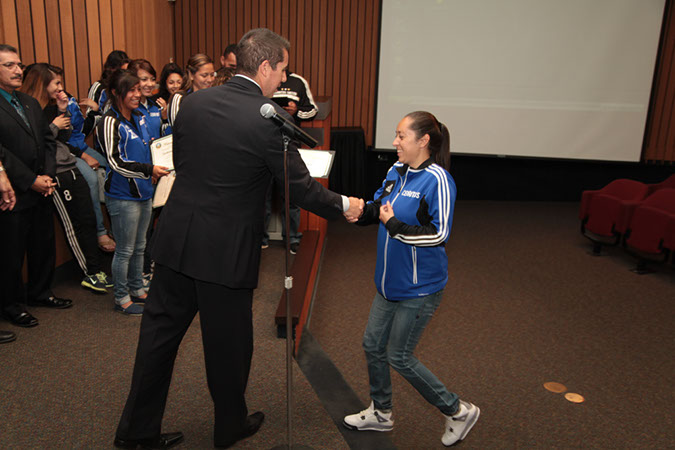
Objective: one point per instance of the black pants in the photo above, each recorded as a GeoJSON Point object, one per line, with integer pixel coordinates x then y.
{"type": "Point", "coordinates": [72, 199]}
{"type": "Point", "coordinates": [227, 334]}
{"type": "Point", "coordinates": [28, 232]}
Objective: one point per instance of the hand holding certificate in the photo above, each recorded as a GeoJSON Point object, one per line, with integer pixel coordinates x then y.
{"type": "Point", "coordinates": [162, 156]}
{"type": "Point", "coordinates": [161, 151]}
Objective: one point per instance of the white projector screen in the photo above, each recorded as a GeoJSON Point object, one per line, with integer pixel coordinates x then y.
{"type": "Point", "coordinates": [536, 78]}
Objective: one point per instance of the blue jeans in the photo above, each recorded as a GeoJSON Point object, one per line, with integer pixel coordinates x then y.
{"type": "Point", "coordinates": [130, 220]}
{"type": "Point", "coordinates": [91, 177]}
{"type": "Point", "coordinates": [392, 333]}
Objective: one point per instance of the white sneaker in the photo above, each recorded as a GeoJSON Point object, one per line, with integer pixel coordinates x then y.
{"type": "Point", "coordinates": [459, 425]}
{"type": "Point", "coordinates": [370, 419]}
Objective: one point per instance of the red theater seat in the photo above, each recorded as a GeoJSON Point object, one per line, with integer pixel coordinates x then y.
{"type": "Point", "coordinates": [648, 231]}
{"type": "Point", "coordinates": [667, 183]}
{"type": "Point", "coordinates": [605, 213]}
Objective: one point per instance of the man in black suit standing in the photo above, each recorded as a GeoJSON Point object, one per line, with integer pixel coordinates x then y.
{"type": "Point", "coordinates": [28, 157]}
{"type": "Point", "coordinates": [207, 244]}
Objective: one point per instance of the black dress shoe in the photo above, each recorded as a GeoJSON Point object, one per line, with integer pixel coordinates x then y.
{"type": "Point", "coordinates": [52, 302]}
{"type": "Point", "coordinates": [7, 336]}
{"type": "Point", "coordinates": [251, 427]}
{"type": "Point", "coordinates": [24, 319]}
{"type": "Point", "coordinates": [165, 440]}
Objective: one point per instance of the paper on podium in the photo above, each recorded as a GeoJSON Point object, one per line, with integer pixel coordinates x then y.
{"type": "Point", "coordinates": [163, 189]}
{"type": "Point", "coordinates": [161, 151]}
{"type": "Point", "coordinates": [318, 162]}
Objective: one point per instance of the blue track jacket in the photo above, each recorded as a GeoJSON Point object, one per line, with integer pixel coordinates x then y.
{"type": "Point", "coordinates": [127, 148]}
{"type": "Point", "coordinates": [411, 259]}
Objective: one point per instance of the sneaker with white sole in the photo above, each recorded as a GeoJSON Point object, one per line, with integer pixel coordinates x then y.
{"type": "Point", "coordinates": [370, 419]}
{"type": "Point", "coordinates": [93, 283]}
{"type": "Point", "coordinates": [458, 425]}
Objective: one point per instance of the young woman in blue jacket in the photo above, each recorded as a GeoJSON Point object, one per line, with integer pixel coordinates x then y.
{"type": "Point", "coordinates": [123, 135]}
{"type": "Point", "coordinates": [414, 208]}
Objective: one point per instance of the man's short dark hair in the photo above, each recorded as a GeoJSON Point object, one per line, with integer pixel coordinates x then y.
{"type": "Point", "coordinates": [232, 48]}
{"type": "Point", "coordinates": [257, 46]}
{"type": "Point", "coordinates": [8, 48]}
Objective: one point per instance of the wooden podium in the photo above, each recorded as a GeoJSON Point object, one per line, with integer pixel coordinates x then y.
{"type": "Point", "coordinates": [313, 228]}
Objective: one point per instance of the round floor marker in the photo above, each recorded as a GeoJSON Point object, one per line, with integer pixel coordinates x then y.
{"type": "Point", "coordinates": [574, 398]}
{"type": "Point", "coordinates": [554, 387]}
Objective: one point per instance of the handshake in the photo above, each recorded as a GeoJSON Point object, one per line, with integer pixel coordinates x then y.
{"type": "Point", "coordinates": [355, 211]}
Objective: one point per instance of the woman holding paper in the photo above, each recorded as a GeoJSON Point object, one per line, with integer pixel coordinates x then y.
{"type": "Point", "coordinates": [124, 136]}
{"type": "Point", "coordinates": [414, 208]}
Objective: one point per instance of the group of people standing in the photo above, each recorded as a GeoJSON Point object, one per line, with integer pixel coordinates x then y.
{"type": "Point", "coordinates": [207, 250]}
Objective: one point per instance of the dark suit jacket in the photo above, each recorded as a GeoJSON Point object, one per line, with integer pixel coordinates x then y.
{"type": "Point", "coordinates": [27, 152]}
{"type": "Point", "coordinates": [225, 154]}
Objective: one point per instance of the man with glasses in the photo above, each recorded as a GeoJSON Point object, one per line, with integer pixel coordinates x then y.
{"type": "Point", "coordinates": [27, 149]}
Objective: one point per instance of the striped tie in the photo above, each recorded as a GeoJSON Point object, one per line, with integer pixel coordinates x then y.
{"type": "Point", "coordinates": [20, 110]}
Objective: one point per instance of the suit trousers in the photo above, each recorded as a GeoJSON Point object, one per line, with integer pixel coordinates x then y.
{"type": "Point", "coordinates": [227, 335]}
{"type": "Point", "coordinates": [28, 232]}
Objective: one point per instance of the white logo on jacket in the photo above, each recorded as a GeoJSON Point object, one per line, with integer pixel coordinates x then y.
{"type": "Point", "coordinates": [411, 194]}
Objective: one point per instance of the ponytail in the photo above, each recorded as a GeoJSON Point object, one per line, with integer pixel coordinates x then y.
{"type": "Point", "coordinates": [422, 123]}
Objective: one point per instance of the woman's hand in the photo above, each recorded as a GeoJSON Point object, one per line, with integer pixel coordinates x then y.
{"type": "Point", "coordinates": [62, 100]}
{"type": "Point", "coordinates": [162, 106]}
{"type": "Point", "coordinates": [91, 161]}
{"type": "Point", "coordinates": [89, 103]}
{"type": "Point", "coordinates": [158, 172]}
{"type": "Point", "coordinates": [62, 122]}
{"type": "Point", "coordinates": [386, 212]}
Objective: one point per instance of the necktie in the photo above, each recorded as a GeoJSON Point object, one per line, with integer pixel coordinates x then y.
{"type": "Point", "coordinates": [20, 110]}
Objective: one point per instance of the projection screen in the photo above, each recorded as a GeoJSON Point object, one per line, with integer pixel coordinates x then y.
{"type": "Point", "coordinates": [536, 78]}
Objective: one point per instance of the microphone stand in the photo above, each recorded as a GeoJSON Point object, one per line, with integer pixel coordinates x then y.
{"type": "Point", "coordinates": [288, 285]}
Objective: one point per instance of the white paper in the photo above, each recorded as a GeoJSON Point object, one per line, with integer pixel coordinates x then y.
{"type": "Point", "coordinates": [163, 189]}
{"type": "Point", "coordinates": [162, 152]}
{"type": "Point", "coordinates": [318, 162]}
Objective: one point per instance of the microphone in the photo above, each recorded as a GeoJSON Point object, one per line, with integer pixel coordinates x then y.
{"type": "Point", "coordinates": [288, 128]}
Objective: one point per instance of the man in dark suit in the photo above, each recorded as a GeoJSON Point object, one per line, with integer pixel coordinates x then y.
{"type": "Point", "coordinates": [28, 149]}
{"type": "Point", "coordinates": [207, 244]}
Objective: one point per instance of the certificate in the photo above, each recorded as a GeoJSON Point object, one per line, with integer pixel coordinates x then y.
{"type": "Point", "coordinates": [163, 189]}
{"type": "Point", "coordinates": [318, 162]}
{"type": "Point", "coordinates": [162, 151]}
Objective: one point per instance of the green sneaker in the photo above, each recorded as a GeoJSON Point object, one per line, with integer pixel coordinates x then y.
{"type": "Point", "coordinates": [93, 283]}
{"type": "Point", "coordinates": [103, 278]}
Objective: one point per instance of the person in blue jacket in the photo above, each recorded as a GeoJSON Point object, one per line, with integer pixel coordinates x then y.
{"type": "Point", "coordinates": [149, 107]}
{"type": "Point", "coordinates": [123, 135]}
{"type": "Point", "coordinates": [414, 208]}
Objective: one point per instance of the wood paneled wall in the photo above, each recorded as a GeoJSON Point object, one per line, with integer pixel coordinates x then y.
{"type": "Point", "coordinates": [77, 35]}
{"type": "Point", "coordinates": [659, 144]}
{"type": "Point", "coordinates": [333, 44]}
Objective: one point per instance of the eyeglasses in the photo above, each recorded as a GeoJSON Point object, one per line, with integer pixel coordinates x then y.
{"type": "Point", "coordinates": [12, 65]}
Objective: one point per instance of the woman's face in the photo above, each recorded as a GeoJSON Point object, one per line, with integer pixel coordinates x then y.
{"type": "Point", "coordinates": [54, 87]}
{"type": "Point", "coordinates": [133, 97]}
{"type": "Point", "coordinates": [173, 83]}
{"type": "Point", "coordinates": [410, 150]}
{"type": "Point", "coordinates": [203, 78]}
{"type": "Point", "coordinates": [147, 83]}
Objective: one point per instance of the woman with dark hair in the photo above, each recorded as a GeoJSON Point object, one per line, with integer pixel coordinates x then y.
{"type": "Point", "coordinates": [199, 74]}
{"type": "Point", "coordinates": [414, 208]}
{"type": "Point", "coordinates": [72, 195]}
{"type": "Point", "coordinates": [151, 109]}
{"type": "Point", "coordinates": [123, 135]}
{"type": "Point", "coordinates": [170, 81]}
{"type": "Point", "coordinates": [117, 59]}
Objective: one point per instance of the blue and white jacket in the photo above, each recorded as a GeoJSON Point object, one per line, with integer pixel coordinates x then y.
{"type": "Point", "coordinates": [411, 259]}
{"type": "Point", "coordinates": [153, 118]}
{"type": "Point", "coordinates": [127, 147]}
{"type": "Point", "coordinates": [81, 126]}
